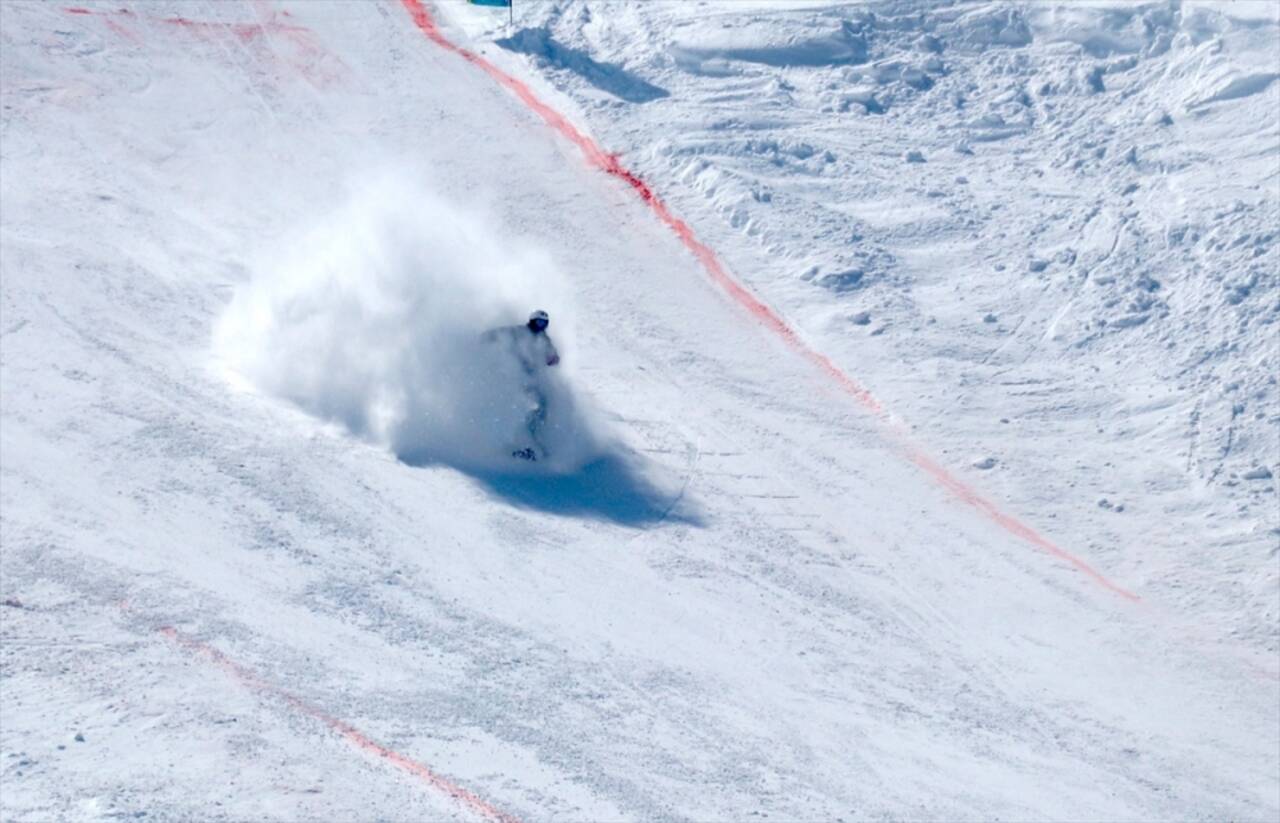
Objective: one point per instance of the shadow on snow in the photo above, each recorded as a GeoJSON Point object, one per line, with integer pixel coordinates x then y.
{"type": "Point", "coordinates": [608, 488]}
{"type": "Point", "coordinates": [608, 78]}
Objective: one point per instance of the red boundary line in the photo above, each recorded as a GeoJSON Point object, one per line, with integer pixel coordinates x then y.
{"type": "Point", "coordinates": [351, 734]}
{"type": "Point", "coordinates": [600, 159]}
{"type": "Point", "coordinates": [306, 55]}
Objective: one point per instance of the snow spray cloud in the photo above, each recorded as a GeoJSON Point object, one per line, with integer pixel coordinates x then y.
{"type": "Point", "coordinates": [375, 319]}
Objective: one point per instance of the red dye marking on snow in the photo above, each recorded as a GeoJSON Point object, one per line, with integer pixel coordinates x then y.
{"type": "Point", "coordinates": [1008, 522]}
{"type": "Point", "coordinates": [351, 734]}
{"type": "Point", "coordinates": [609, 164]}
{"type": "Point", "coordinates": [123, 31]}
{"type": "Point", "coordinates": [126, 33]}
{"type": "Point", "coordinates": [242, 31]}
{"type": "Point", "coordinates": [245, 31]}
{"type": "Point", "coordinates": [304, 53]}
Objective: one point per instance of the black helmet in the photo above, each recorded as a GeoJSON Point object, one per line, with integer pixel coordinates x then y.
{"type": "Point", "coordinates": [538, 321]}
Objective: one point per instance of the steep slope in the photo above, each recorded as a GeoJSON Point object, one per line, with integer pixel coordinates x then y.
{"type": "Point", "coordinates": [751, 601]}
{"type": "Point", "coordinates": [1018, 224]}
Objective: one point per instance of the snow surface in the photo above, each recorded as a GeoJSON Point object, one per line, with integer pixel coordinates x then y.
{"type": "Point", "coordinates": [258, 561]}
{"type": "Point", "coordinates": [1020, 225]}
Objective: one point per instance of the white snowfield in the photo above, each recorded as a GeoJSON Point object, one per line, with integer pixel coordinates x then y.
{"type": "Point", "coordinates": [1009, 552]}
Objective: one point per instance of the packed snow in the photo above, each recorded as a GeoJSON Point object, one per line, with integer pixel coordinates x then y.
{"type": "Point", "coordinates": [264, 553]}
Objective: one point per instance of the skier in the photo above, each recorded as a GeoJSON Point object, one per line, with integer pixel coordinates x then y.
{"type": "Point", "coordinates": [532, 347]}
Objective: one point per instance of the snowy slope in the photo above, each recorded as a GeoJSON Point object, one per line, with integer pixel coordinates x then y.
{"type": "Point", "coordinates": [238, 567]}
{"type": "Point", "coordinates": [1018, 224]}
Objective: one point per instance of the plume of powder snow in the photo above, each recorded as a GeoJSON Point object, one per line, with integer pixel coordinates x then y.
{"type": "Point", "coordinates": [374, 318]}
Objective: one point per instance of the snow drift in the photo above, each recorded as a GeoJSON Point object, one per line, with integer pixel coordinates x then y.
{"type": "Point", "coordinates": [374, 317]}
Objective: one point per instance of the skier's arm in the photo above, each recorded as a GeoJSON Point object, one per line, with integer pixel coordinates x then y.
{"type": "Point", "coordinates": [553, 356]}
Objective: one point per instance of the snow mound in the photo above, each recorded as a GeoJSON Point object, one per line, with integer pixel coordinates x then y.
{"type": "Point", "coordinates": [757, 41]}
{"type": "Point", "coordinates": [611, 79]}
{"type": "Point", "coordinates": [1103, 32]}
{"type": "Point", "coordinates": [987, 27]}
{"type": "Point", "coordinates": [374, 319]}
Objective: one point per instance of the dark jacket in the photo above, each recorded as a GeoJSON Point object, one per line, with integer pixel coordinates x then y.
{"type": "Point", "coordinates": [533, 349]}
